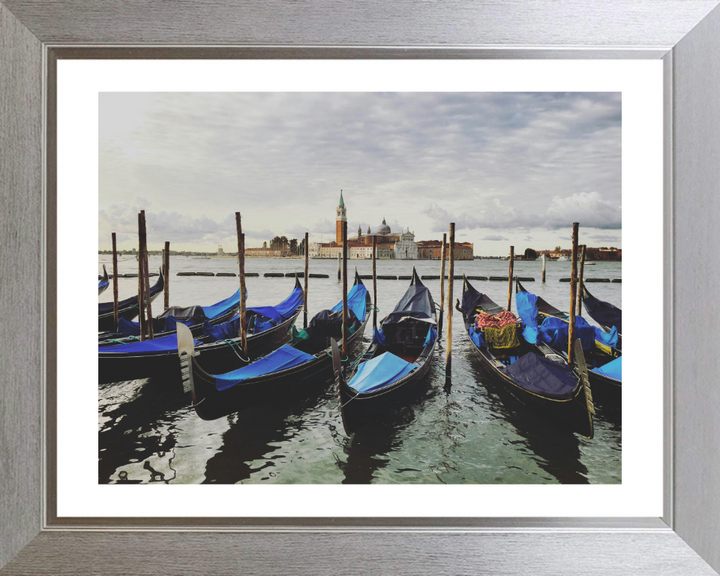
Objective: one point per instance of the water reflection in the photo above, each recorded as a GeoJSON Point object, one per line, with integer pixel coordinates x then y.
{"type": "Point", "coordinates": [368, 450]}
{"type": "Point", "coordinates": [252, 443]}
{"type": "Point", "coordinates": [136, 424]}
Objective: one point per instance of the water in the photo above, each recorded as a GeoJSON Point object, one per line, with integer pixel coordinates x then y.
{"type": "Point", "coordinates": [470, 433]}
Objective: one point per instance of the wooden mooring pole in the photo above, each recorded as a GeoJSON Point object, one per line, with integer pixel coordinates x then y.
{"type": "Point", "coordinates": [448, 337]}
{"type": "Point", "coordinates": [510, 278]}
{"type": "Point", "coordinates": [573, 293]}
{"type": "Point", "coordinates": [141, 283]}
{"type": "Point", "coordinates": [543, 270]}
{"type": "Point", "coordinates": [242, 329]}
{"type": "Point", "coordinates": [166, 274]}
{"type": "Point", "coordinates": [115, 282]}
{"type": "Point", "coordinates": [442, 285]}
{"type": "Point", "coordinates": [146, 275]}
{"type": "Point", "coordinates": [305, 295]}
{"type": "Point", "coordinates": [580, 280]}
{"type": "Point", "coordinates": [374, 273]}
{"type": "Point", "coordinates": [344, 290]}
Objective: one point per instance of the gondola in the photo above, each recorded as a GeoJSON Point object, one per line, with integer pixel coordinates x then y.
{"type": "Point", "coordinates": [104, 282]}
{"type": "Point", "coordinates": [604, 313]}
{"type": "Point", "coordinates": [158, 358]}
{"type": "Point", "coordinates": [194, 317]}
{"type": "Point", "coordinates": [293, 370]}
{"type": "Point", "coordinates": [127, 308]}
{"type": "Point", "coordinates": [534, 375]}
{"type": "Point", "coordinates": [604, 360]}
{"type": "Point", "coordinates": [395, 363]}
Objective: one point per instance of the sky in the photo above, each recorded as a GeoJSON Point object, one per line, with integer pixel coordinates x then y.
{"type": "Point", "coordinates": [509, 169]}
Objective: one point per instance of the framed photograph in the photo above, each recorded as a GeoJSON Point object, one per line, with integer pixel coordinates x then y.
{"type": "Point", "coordinates": [658, 514]}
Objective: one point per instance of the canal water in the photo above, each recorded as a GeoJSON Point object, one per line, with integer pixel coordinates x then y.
{"type": "Point", "coordinates": [468, 432]}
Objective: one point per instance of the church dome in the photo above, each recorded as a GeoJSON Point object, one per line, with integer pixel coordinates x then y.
{"type": "Point", "coordinates": [383, 228]}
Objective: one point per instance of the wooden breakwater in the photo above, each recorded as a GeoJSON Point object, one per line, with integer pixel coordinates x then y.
{"type": "Point", "coordinates": [589, 280]}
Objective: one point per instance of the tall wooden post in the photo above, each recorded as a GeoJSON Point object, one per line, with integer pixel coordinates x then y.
{"type": "Point", "coordinates": [580, 280]}
{"type": "Point", "coordinates": [442, 284]}
{"type": "Point", "coordinates": [166, 274]}
{"type": "Point", "coordinates": [510, 278]}
{"type": "Point", "coordinates": [305, 295]}
{"type": "Point", "coordinates": [141, 282]}
{"type": "Point", "coordinates": [344, 289]}
{"type": "Point", "coordinates": [115, 282]}
{"type": "Point", "coordinates": [374, 272]}
{"type": "Point", "coordinates": [573, 292]}
{"type": "Point", "coordinates": [146, 276]}
{"type": "Point", "coordinates": [448, 337]}
{"type": "Point", "coordinates": [242, 329]}
{"type": "Point", "coordinates": [543, 270]}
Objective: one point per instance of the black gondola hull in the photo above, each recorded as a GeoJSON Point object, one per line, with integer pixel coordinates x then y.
{"type": "Point", "coordinates": [106, 320]}
{"type": "Point", "coordinates": [165, 366]}
{"type": "Point", "coordinates": [281, 387]}
{"type": "Point", "coordinates": [359, 410]}
{"type": "Point", "coordinates": [569, 414]}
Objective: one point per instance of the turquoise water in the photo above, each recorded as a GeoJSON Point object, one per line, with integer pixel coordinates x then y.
{"type": "Point", "coordinates": [469, 432]}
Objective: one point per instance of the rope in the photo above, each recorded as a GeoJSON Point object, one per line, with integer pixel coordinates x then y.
{"type": "Point", "coordinates": [439, 369]}
{"type": "Point", "coordinates": [351, 399]}
{"type": "Point", "coordinates": [232, 345]}
{"type": "Point", "coordinates": [341, 359]}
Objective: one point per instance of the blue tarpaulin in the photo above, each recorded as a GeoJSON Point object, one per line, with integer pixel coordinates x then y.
{"type": "Point", "coordinates": [379, 337]}
{"type": "Point", "coordinates": [357, 301]}
{"type": "Point", "coordinates": [190, 316]}
{"type": "Point", "coordinates": [164, 344]}
{"type": "Point", "coordinates": [554, 331]}
{"type": "Point", "coordinates": [281, 359]}
{"type": "Point", "coordinates": [611, 369]}
{"type": "Point", "coordinates": [102, 285]}
{"type": "Point", "coordinates": [527, 310]}
{"type": "Point", "coordinates": [267, 317]}
{"type": "Point", "coordinates": [476, 336]}
{"type": "Point", "coordinates": [538, 374]}
{"type": "Point", "coordinates": [380, 372]}
{"type": "Point", "coordinates": [430, 338]}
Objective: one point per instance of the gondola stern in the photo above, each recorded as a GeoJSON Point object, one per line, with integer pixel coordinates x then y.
{"type": "Point", "coordinates": [415, 278]}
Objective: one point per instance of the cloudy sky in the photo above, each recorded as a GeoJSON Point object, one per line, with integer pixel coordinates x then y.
{"type": "Point", "coordinates": [508, 168]}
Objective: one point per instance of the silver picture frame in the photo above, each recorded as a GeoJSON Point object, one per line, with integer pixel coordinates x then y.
{"type": "Point", "coordinates": [35, 34]}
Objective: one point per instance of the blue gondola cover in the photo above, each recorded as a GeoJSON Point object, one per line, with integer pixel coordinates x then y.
{"type": "Point", "coordinates": [379, 337]}
{"type": "Point", "coordinates": [164, 344]}
{"type": "Point", "coordinates": [357, 301]}
{"type": "Point", "coordinates": [267, 317]}
{"type": "Point", "coordinates": [611, 369]}
{"type": "Point", "coordinates": [379, 372]}
{"type": "Point", "coordinates": [281, 359]}
{"type": "Point", "coordinates": [538, 374]}
{"type": "Point", "coordinates": [526, 304]}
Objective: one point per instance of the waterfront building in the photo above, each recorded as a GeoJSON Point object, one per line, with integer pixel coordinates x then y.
{"type": "Point", "coordinates": [406, 248]}
{"type": "Point", "coordinates": [432, 250]}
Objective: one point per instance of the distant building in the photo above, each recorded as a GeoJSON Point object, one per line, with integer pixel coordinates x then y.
{"type": "Point", "coordinates": [432, 250]}
{"type": "Point", "coordinates": [406, 248]}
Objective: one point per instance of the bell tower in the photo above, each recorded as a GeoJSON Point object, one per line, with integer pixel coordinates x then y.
{"type": "Point", "coordinates": [341, 217]}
